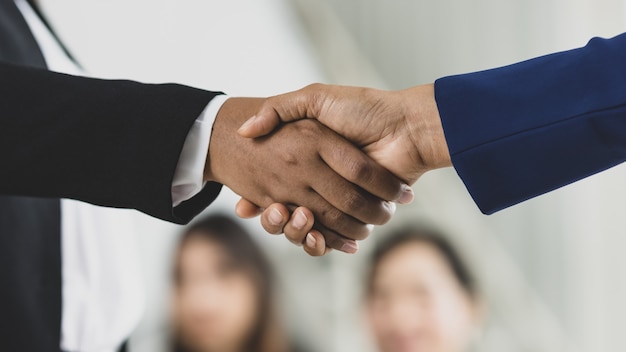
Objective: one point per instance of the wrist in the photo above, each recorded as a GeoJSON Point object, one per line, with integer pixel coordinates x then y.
{"type": "Point", "coordinates": [424, 126]}
{"type": "Point", "coordinates": [225, 140]}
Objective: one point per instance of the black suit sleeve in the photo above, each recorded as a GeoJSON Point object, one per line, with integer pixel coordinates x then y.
{"type": "Point", "coordinates": [107, 142]}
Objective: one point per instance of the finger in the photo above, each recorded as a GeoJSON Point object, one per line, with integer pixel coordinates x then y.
{"type": "Point", "coordinates": [336, 241]}
{"type": "Point", "coordinates": [315, 244]}
{"type": "Point", "coordinates": [334, 219]}
{"type": "Point", "coordinates": [260, 124]}
{"type": "Point", "coordinates": [355, 166]}
{"type": "Point", "coordinates": [303, 103]}
{"type": "Point", "coordinates": [300, 224]}
{"type": "Point", "coordinates": [245, 209]}
{"type": "Point", "coordinates": [350, 199]}
{"type": "Point", "coordinates": [407, 196]}
{"type": "Point", "coordinates": [274, 218]}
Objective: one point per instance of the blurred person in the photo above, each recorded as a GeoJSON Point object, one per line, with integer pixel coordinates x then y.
{"type": "Point", "coordinates": [420, 294]}
{"type": "Point", "coordinates": [223, 292]}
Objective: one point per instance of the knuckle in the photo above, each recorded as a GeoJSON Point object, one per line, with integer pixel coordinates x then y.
{"type": "Point", "coordinates": [308, 129]}
{"type": "Point", "coordinates": [290, 159]}
{"type": "Point", "coordinates": [332, 217]}
{"type": "Point", "coordinates": [314, 86]}
{"type": "Point", "coordinates": [315, 95]}
{"type": "Point", "coordinates": [269, 105]}
{"type": "Point", "coordinates": [345, 225]}
{"type": "Point", "coordinates": [360, 170]}
{"type": "Point", "coordinates": [354, 201]}
{"type": "Point", "coordinates": [309, 125]}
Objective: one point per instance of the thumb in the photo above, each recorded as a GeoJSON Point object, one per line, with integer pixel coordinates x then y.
{"type": "Point", "coordinates": [287, 107]}
{"type": "Point", "coordinates": [264, 122]}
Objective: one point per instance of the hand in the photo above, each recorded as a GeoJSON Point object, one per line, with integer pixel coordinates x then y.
{"type": "Point", "coordinates": [306, 164]}
{"type": "Point", "coordinates": [401, 130]}
{"type": "Point", "coordinates": [298, 229]}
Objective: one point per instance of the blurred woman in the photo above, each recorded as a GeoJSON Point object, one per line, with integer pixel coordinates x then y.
{"type": "Point", "coordinates": [421, 297]}
{"type": "Point", "coordinates": [223, 297]}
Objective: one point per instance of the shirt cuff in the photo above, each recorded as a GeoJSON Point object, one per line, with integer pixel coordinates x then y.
{"type": "Point", "coordinates": [189, 175]}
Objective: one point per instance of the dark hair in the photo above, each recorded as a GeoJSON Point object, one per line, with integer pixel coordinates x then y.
{"type": "Point", "coordinates": [433, 238]}
{"type": "Point", "coordinates": [239, 246]}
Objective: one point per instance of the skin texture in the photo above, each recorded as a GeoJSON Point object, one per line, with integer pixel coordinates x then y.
{"type": "Point", "coordinates": [215, 304]}
{"type": "Point", "coordinates": [401, 130]}
{"type": "Point", "coordinates": [416, 305]}
{"type": "Point", "coordinates": [304, 164]}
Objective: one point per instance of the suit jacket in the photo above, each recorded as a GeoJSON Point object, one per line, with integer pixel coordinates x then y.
{"type": "Point", "coordinates": [110, 143]}
{"type": "Point", "coordinates": [71, 137]}
{"type": "Point", "coordinates": [114, 143]}
{"type": "Point", "coordinates": [522, 130]}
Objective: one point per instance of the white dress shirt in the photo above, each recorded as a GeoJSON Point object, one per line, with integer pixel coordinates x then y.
{"type": "Point", "coordinates": [102, 294]}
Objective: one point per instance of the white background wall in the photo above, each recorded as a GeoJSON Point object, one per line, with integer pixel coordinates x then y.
{"type": "Point", "coordinates": [552, 268]}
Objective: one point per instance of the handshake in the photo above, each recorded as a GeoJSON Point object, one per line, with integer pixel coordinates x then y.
{"type": "Point", "coordinates": [324, 163]}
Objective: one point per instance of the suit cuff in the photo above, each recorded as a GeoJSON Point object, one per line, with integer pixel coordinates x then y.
{"type": "Point", "coordinates": [188, 177]}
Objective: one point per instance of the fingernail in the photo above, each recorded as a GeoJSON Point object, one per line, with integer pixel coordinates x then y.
{"type": "Point", "coordinates": [407, 195]}
{"type": "Point", "coordinates": [310, 241]}
{"type": "Point", "coordinates": [247, 124]}
{"type": "Point", "coordinates": [299, 220]}
{"type": "Point", "coordinates": [350, 247]}
{"type": "Point", "coordinates": [391, 206]}
{"type": "Point", "coordinates": [275, 217]}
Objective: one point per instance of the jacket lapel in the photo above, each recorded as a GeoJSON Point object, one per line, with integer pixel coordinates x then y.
{"type": "Point", "coordinates": [17, 44]}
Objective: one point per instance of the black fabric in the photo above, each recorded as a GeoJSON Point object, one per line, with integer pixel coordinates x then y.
{"type": "Point", "coordinates": [108, 142]}
{"type": "Point", "coordinates": [17, 44]}
{"type": "Point", "coordinates": [30, 234]}
{"type": "Point", "coordinates": [30, 274]}
{"type": "Point", "coordinates": [124, 347]}
{"type": "Point", "coordinates": [112, 143]}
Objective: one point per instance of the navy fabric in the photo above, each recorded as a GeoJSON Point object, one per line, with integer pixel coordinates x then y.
{"type": "Point", "coordinates": [522, 130]}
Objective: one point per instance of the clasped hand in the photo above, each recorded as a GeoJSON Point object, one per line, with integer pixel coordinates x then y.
{"type": "Point", "coordinates": [323, 180]}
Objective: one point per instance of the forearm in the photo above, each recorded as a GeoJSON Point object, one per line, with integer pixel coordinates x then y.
{"type": "Point", "coordinates": [113, 143]}
{"type": "Point", "coordinates": [523, 130]}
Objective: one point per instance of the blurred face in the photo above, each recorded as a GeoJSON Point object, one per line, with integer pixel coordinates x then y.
{"type": "Point", "coordinates": [416, 304]}
{"type": "Point", "coordinates": [215, 302]}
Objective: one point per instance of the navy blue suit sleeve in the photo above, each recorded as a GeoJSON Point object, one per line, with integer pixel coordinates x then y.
{"type": "Point", "coordinates": [523, 130]}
